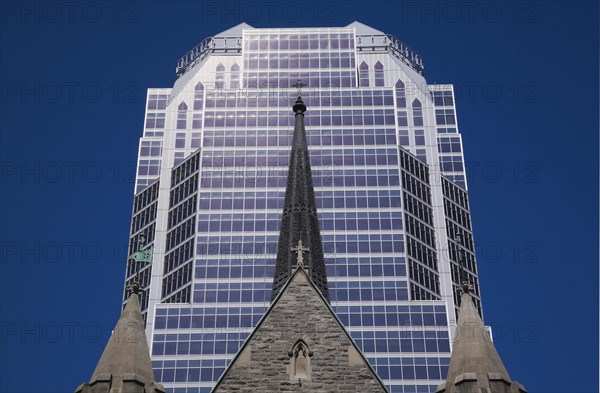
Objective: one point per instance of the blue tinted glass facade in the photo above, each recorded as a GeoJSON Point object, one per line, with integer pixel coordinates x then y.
{"type": "Point", "coordinates": [216, 147]}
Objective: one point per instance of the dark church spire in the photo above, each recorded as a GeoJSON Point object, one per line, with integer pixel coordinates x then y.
{"type": "Point", "coordinates": [300, 235]}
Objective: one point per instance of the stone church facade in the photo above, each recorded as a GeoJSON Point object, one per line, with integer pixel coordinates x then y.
{"type": "Point", "coordinates": [300, 346]}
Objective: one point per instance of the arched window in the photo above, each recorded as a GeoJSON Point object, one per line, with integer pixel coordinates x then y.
{"type": "Point", "coordinates": [417, 112]}
{"type": "Point", "coordinates": [182, 116]}
{"type": "Point", "coordinates": [363, 75]}
{"type": "Point", "coordinates": [220, 77]}
{"type": "Point", "coordinates": [400, 94]}
{"type": "Point", "coordinates": [300, 367]}
{"type": "Point", "coordinates": [379, 80]}
{"type": "Point", "coordinates": [234, 81]}
{"type": "Point", "coordinates": [198, 96]}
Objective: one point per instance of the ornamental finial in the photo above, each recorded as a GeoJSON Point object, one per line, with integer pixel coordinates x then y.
{"type": "Point", "coordinates": [299, 85]}
{"type": "Point", "coordinates": [299, 107]}
{"type": "Point", "coordinates": [465, 287]}
{"type": "Point", "coordinates": [300, 249]}
{"type": "Point", "coordinates": [135, 287]}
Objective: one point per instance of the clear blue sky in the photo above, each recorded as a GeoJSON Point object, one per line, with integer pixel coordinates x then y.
{"type": "Point", "coordinates": [73, 82]}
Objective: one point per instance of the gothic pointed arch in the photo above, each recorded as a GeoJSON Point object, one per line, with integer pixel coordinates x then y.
{"type": "Point", "coordinates": [300, 361]}
{"type": "Point", "coordinates": [417, 112]}
{"type": "Point", "coordinates": [379, 76]}
{"type": "Point", "coordinates": [198, 96]}
{"type": "Point", "coordinates": [234, 80]}
{"type": "Point", "coordinates": [220, 76]}
{"type": "Point", "coordinates": [182, 115]}
{"type": "Point", "coordinates": [363, 74]}
{"type": "Point", "coordinates": [400, 90]}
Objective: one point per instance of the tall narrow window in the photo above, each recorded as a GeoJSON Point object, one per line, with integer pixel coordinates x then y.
{"type": "Point", "coordinates": [400, 94]}
{"type": "Point", "coordinates": [182, 116]}
{"type": "Point", "coordinates": [198, 96]}
{"type": "Point", "coordinates": [220, 77]}
{"type": "Point", "coordinates": [234, 82]}
{"type": "Point", "coordinates": [363, 75]}
{"type": "Point", "coordinates": [417, 113]}
{"type": "Point", "coordinates": [379, 80]}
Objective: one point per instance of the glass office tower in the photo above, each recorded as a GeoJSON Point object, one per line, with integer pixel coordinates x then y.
{"type": "Point", "coordinates": [390, 186]}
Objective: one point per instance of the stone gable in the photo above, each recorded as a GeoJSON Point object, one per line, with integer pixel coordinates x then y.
{"type": "Point", "coordinates": [299, 346]}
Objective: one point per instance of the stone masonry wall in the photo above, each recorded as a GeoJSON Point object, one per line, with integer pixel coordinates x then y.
{"type": "Point", "coordinates": [300, 313]}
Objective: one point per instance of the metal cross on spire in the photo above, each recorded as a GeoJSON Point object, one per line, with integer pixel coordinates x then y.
{"type": "Point", "coordinates": [299, 85]}
{"type": "Point", "coordinates": [300, 249]}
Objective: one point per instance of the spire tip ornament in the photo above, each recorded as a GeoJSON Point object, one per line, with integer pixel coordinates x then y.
{"type": "Point", "coordinates": [299, 107]}
{"type": "Point", "coordinates": [465, 287]}
{"type": "Point", "coordinates": [299, 85]}
{"type": "Point", "coordinates": [300, 249]}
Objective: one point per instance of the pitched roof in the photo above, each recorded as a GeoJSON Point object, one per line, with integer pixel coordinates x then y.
{"type": "Point", "coordinates": [297, 279]}
{"type": "Point", "coordinates": [362, 29]}
{"type": "Point", "coordinates": [235, 31]}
